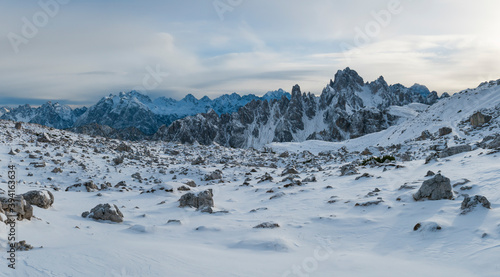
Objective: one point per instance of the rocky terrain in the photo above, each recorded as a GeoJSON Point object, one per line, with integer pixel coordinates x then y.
{"type": "Point", "coordinates": [418, 195]}
{"type": "Point", "coordinates": [347, 108]}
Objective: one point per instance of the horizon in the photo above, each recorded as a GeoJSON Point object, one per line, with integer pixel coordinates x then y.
{"type": "Point", "coordinates": [52, 51]}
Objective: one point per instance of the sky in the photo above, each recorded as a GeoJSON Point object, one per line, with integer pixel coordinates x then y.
{"type": "Point", "coordinates": [76, 52]}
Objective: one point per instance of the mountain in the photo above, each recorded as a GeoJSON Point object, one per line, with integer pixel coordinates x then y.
{"type": "Point", "coordinates": [117, 114]}
{"type": "Point", "coordinates": [49, 114]}
{"type": "Point", "coordinates": [347, 108]}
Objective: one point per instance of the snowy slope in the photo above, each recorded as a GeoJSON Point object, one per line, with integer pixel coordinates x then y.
{"type": "Point", "coordinates": [322, 232]}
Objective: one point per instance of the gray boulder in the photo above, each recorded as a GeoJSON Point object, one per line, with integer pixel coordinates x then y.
{"type": "Point", "coordinates": [450, 151]}
{"type": "Point", "coordinates": [348, 169]}
{"type": "Point", "coordinates": [40, 198]}
{"type": "Point", "coordinates": [105, 212]}
{"type": "Point", "coordinates": [202, 201]}
{"type": "Point", "coordinates": [267, 225]}
{"type": "Point", "coordinates": [470, 203]}
{"type": "Point", "coordinates": [21, 208]}
{"type": "Point", "coordinates": [445, 131]}
{"type": "Point", "coordinates": [216, 175]}
{"type": "Point", "coordinates": [491, 142]}
{"type": "Point", "coordinates": [478, 119]}
{"type": "Point", "coordinates": [436, 188]}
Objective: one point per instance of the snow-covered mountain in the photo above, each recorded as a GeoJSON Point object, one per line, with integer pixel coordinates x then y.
{"type": "Point", "coordinates": [129, 110]}
{"type": "Point", "coordinates": [49, 114]}
{"type": "Point", "coordinates": [347, 108]}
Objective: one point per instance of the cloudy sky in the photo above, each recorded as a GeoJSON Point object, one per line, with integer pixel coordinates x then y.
{"type": "Point", "coordinates": [78, 51]}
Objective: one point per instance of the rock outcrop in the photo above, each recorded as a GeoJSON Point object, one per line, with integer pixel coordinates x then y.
{"type": "Point", "coordinates": [436, 188]}
{"type": "Point", "coordinates": [40, 198]}
{"type": "Point", "coordinates": [202, 201]}
{"type": "Point", "coordinates": [105, 212]}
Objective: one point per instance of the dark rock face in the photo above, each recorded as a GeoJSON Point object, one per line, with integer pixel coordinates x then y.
{"type": "Point", "coordinates": [40, 198]}
{"type": "Point", "coordinates": [470, 203]}
{"type": "Point", "coordinates": [105, 212]}
{"type": "Point", "coordinates": [202, 201]}
{"type": "Point", "coordinates": [338, 114]}
{"type": "Point", "coordinates": [436, 188]}
{"type": "Point", "coordinates": [491, 142]}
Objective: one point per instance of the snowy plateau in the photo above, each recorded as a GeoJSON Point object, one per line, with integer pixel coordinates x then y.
{"type": "Point", "coordinates": [417, 196]}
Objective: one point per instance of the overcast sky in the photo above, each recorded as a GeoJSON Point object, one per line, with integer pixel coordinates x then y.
{"type": "Point", "coordinates": [79, 51]}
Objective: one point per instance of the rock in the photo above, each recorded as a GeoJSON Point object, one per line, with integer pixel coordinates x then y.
{"type": "Point", "coordinates": [198, 161]}
{"type": "Point", "coordinates": [478, 119]}
{"type": "Point", "coordinates": [89, 187]}
{"type": "Point", "coordinates": [365, 175]}
{"type": "Point", "coordinates": [265, 177]}
{"type": "Point", "coordinates": [445, 131]}
{"type": "Point", "coordinates": [277, 195]}
{"type": "Point", "coordinates": [174, 222]}
{"type": "Point", "coordinates": [202, 201]}
{"type": "Point", "coordinates": [450, 151]}
{"type": "Point", "coordinates": [427, 226]}
{"type": "Point", "coordinates": [436, 188]}
{"type": "Point", "coordinates": [470, 203]}
{"type": "Point", "coordinates": [348, 169]}
{"type": "Point", "coordinates": [57, 170]}
{"type": "Point", "coordinates": [267, 225]}
{"type": "Point", "coordinates": [425, 135]}
{"type": "Point", "coordinates": [431, 157]}
{"type": "Point", "coordinates": [369, 203]}
{"type": "Point", "coordinates": [18, 126]}
{"type": "Point", "coordinates": [23, 209]}
{"type": "Point", "coordinates": [183, 188]}
{"type": "Point", "coordinates": [216, 175]}
{"type": "Point", "coordinates": [430, 173]}
{"type": "Point", "coordinates": [309, 179]}
{"type": "Point", "coordinates": [491, 142]}
{"type": "Point", "coordinates": [190, 183]}
{"type": "Point", "coordinates": [22, 246]}
{"type": "Point", "coordinates": [38, 164]}
{"type": "Point", "coordinates": [105, 212]}
{"type": "Point", "coordinates": [40, 198]}
{"type": "Point", "coordinates": [12, 152]}
{"type": "Point", "coordinates": [44, 138]}
{"type": "Point", "coordinates": [289, 171]}
{"type": "Point", "coordinates": [284, 155]}
{"type": "Point", "coordinates": [123, 147]}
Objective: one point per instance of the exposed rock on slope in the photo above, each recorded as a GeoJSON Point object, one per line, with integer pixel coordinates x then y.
{"type": "Point", "coordinates": [347, 108]}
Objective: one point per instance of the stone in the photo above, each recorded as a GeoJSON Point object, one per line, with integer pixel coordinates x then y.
{"type": "Point", "coordinates": [18, 126]}
{"type": "Point", "coordinates": [21, 208]}
{"type": "Point", "coordinates": [289, 171]}
{"type": "Point", "coordinates": [348, 169]}
{"type": "Point", "coordinates": [478, 119]}
{"type": "Point", "coordinates": [450, 151]}
{"type": "Point", "coordinates": [267, 225]}
{"type": "Point", "coordinates": [105, 212]}
{"type": "Point", "coordinates": [215, 175]}
{"type": "Point", "coordinates": [470, 203]}
{"type": "Point", "coordinates": [202, 201]}
{"type": "Point", "coordinates": [40, 198]}
{"type": "Point", "coordinates": [436, 188]}
{"type": "Point", "coordinates": [445, 131]}
{"type": "Point", "coordinates": [430, 173]}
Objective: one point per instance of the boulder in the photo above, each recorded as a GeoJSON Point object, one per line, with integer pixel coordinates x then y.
{"type": "Point", "coordinates": [215, 175]}
{"type": "Point", "coordinates": [436, 188]}
{"type": "Point", "coordinates": [478, 119]}
{"type": "Point", "coordinates": [40, 198]}
{"type": "Point", "coordinates": [348, 169]}
{"type": "Point", "coordinates": [267, 225]}
{"type": "Point", "coordinates": [202, 201]}
{"type": "Point", "coordinates": [22, 208]}
{"type": "Point", "coordinates": [450, 151]}
{"type": "Point", "coordinates": [491, 142]}
{"type": "Point", "coordinates": [445, 131]}
{"type": "Point", "coordinates": [105, 212]}
{"type": "Point", "coordinates": [88, 186]}
{"type": "Point", "coordinates": [470, 203]}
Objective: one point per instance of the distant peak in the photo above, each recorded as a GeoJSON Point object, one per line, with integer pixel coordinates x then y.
{"type": "Point", "coordinates": [346, 78]}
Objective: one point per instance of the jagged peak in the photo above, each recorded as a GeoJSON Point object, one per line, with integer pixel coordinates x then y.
{"type": "Point", "coordinates": [346, 78]}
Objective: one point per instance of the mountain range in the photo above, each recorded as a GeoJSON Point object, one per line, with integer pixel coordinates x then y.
{"type": "Point", "coordinates": [348, 107]}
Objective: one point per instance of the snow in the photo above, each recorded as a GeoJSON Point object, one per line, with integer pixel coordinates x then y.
{"type": "Point", "coordinates": [322, 232]}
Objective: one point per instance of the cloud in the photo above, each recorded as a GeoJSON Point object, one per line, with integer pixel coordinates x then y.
{"type": "Point", "coordinates": [93, 48]}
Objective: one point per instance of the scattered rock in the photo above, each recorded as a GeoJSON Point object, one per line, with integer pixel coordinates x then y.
{"type": "Point", "coordinates": [289, 171]}
{"type": "Point", "coordinates": [267, 225]}
{"type": "Point", "coordinates": [18, 126]}
{"type": "Point", "coordinates": [89, 187]}
{"type": "Point", "coordinates": [369, 203]}
{"type": "Point", "coordinates": [23, 209]}
{"type": "Point", "coordinates": [190, 183]}
{"type": "Point", "coordinates": [455, 150]}
{"type": "Point", "coordinates": [427, 226]}
{"type": "Point", "coordinates": [105, 212]}
{"type": "Point", "coordinates": [470, 203]}
{"type": "Point", "coordinates": [277, 195]}
{"type": "Point", "coordinates": [365, 175]}
{"type": "Point", "coordinates": [216, 175]}
{"type": "Point", "coordinates": [348, 169]}
{"type": "Point", "coordinates": [478, 119]}
{"type": "Point", "coordinates": [202, 201]}
{"type": "Point", "coordinates": [430, 173]}
{"type": "Point", "coordinates": [22, 246]}
{"type": "Point", "coordinates": [40, 198]}
{"type": "Point", "coordinates": [445, 131]}
{"type": "Point", "coordinates": [436, 188]}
